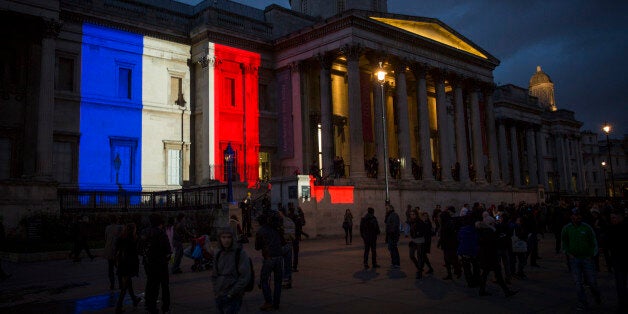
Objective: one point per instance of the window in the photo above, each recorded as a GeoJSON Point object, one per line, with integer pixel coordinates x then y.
{"type": "Point", "coordinates": [62, 164]}
{"type": "Point", "coordinates": [5, 158]}
{"type": "Point", "coordinates": [64, 80]}
{"type": "Point", "coordinates": [230, 91]}
{"type": "Point", "coordinates": [176, 90]}
{"type": "Point", "coordinates": [122, 160]}
{"type": "Point", "coordinates": [124, 83]}
{"type": "Point", "coordinates": [174, 167]}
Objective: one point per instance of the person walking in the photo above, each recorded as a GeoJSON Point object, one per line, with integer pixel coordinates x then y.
{"type": "Point", "coordinates": [617, 239]}
{"type": "Point", "coordinates": [270, 241]}
{"type": "Point", "coordinates": [347, 225]}
{"type": "Point", "coordinates": [231, 273]}
{"type": "Point", "coordinates": [369, 230]}
{"type": "Point", "coordinates": [580, 245]}
{"type": "Point", "coordinates": [417, 241]}
{"type": "Point", "coordinates": [112, 233]}
{"type": "Point", "coordinates": [519, 254]}
{"type": "Point", "coordinates": [180, 235]}
{"type": "Point", "coordinates": [126, 257]}
{"type": "Point", "coordinates": [297, 216]}
{"type": "Point", "coordinates": [468, 251]}
{"type": "Point", "coordinates": [504, 244]}
{"type": "Point", "coordinates": [448, 242]}
{"type": "Point", "coordinates": [487, 255]}
{"type": "Point", "coordinates": [80, 233]}
{"type": "Point", "coordinates": [289, 235]}
{"type": "Point", "coordinates": [156, 253]}
{"type": "Point", "coordinates": [246, 205]}
{"type": "Point", "coordinates": [392, 235]}
{"type": "Point", "coordinates": [427, 247]}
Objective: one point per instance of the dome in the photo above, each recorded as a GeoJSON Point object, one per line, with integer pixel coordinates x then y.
{"type": "Point", "coordinates": [539, 77]}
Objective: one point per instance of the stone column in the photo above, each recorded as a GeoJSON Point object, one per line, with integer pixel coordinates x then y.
{"type": "Point", "coordinates": [352, 52]}
{"type": "Point", "coordinates": [45, 109]}
{"type": "Point", "coordinates": [476, 130]}
{"type": "Point", "coordinates": [297, 126]}
{"type": "Point", "coordinates": [461, 134]}
{"type": "Point", "coordinates": [516, 169]}
{"type": "Point", "coordinates": [441, 113]}
{"type": "Point", "coordinates": [568, 170]}
{"type": "Point", "coordinates": [503, 152]}
{"type": "Point", "coordinates": [540, 157]}
{"type": "Point", "coordinates": [405, 154]}
{"type": "Point", "coordinates": [425, 149]}
{"type": "Point", "coordinates": [532, 163]}
{"type": "Point", "coordinates": [326, 127]}
{"type": "Point", "coordinates": [581, 180]}
{"type": "Point", "coordinates": [560, 162]}
{"type": "Point", "coordinates": [492, 137]}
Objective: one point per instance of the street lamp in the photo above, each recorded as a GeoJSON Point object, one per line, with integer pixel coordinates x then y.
{"type": "Point", "coordinates": [381, 78]}
{"type": "Point", "coordinates": [605, 183]}
{"type": "Point", "coordinates": [607, 129]}
{"type": "Point", "coordinates": [229, 157]}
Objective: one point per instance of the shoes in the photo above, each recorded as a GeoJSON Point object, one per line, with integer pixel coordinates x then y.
{"type": "Point", "coordinates": [137, 301]}
{"type": "Point", "coordinates": [448, 277]}
{"type": "Point", "coordinates": [510, 293]}
{"type": "Point", "coordinates": [366, 266]}
{"type": "Point", "coordinates": [266, 307]}
{"type": "Point", "coordinates": [376, 266]}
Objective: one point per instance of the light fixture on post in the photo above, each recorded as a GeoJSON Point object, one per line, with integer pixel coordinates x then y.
{"type": "Point", "coordinates": [181, 103]}
{"type": "Point", "coordinates": [229, 157]}
{"type": "Point", "coordinates": [605, 183]}
{"type": "Point", "coordinates": [381, 78]}
{"type": "Point", "coordinates": [607, 130]}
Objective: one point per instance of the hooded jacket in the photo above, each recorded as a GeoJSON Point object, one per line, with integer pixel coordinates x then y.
{"type": "Point", "coordinates": [227, 277]}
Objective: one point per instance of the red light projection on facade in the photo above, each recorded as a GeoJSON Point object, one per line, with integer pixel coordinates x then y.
{"type": "Point", "coordinates": [236, 111]}
{"type": "Point", "coordinates": [337, 194]}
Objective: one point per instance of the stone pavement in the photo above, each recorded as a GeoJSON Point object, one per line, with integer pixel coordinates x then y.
{"type": "Point", "coordinates": [330, 280]}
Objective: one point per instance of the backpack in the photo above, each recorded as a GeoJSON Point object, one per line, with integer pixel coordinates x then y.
{"type": "Point", "coordinates": [251, 282]}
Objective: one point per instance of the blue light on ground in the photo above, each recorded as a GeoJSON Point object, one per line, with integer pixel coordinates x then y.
{"type": "Point", "coordinates": [111, 110]}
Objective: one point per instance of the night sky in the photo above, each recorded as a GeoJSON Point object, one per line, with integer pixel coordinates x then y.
{"type": "Point", "coordinates": [581, 44]}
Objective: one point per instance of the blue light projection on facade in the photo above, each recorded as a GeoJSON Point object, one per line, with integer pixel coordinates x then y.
{"type": "Point", "coordinates": [111, 110]}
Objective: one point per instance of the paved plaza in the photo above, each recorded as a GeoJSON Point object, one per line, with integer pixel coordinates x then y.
{"type": "Point", "coordinates": [330, 280]}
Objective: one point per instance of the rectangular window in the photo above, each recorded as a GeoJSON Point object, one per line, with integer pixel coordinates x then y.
{"type": "Point", "coordinates": [124, 83]}
{"type": "Point", "coordinates": [230, 91]}
{"type": "Point", "coordinates": [174, 167]}
{"type": "Point", "coordinates": [122, 160]}
{"type": "Point", "coordinates": [176, 90]}
{"type": "Point", "coordinates": [65, 74]}
{"type": "Point", "coordinates": [62, 162]}
{"type": "Point", "coordinates": [5, 158]}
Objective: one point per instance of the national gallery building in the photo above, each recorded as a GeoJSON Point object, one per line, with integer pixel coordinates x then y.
{"type": "Point", "coordinates": [147, 95]}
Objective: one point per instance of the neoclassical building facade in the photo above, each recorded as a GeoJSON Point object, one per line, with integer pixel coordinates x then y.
{"type": "Point", "coordinates": [146, 95]}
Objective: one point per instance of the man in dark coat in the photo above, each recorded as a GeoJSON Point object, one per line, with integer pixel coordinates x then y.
{"type": "Point", "coordinates": [270, 241]}
{"type": "Point", "coordinates": [448, 242]}
{"type": "Point", "coordinates": [156, 252]}
{"type": "Point", "coordinates": [369, 230]}
{"type": "Point", "coordinates": [487, 255]}
{"type": "Point", "coordinates": [392, 235]}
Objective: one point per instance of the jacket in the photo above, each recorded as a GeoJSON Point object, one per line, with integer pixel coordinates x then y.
{"type": "Point", "coordinates": [579, 240]}
{"type": "Point", "coordinates": [269, 241]}
{"type": "Point", "coordinates": [369, 228]}
{"type": "Point", "coordinates": [127, 257]}
{"type": "Point", "coordinates": [468, 241]}
{"type": "Point", "coordinates": [487, 246]}
{"type": "Point", "coordinates": [112, 232]}
{"type": "Point", "coordinates": [155, 247]}
{"type": "Point", "coordinates": [392, 223]}
{"type": "Point", "coordinates": [227, 277]}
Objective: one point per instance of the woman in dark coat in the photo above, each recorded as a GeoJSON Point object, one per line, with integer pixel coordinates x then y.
{"type": "Point", "coordinates": [487, 255]}
{"type": "Point", "coordinates": [128, 264]}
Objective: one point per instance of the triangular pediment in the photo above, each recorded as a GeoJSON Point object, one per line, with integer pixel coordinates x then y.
{"type": "Point", "coordinates": [434, 32]}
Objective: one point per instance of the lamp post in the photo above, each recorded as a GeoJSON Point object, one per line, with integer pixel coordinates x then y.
{"type": "Point", "coordinates": [229, 157]}
{"type": "Point", "coordinates": [607, 130]}
{"type": "Point", "coordinates": [605, 183]}
{"type": "Point", "coordinates": [381, 78]}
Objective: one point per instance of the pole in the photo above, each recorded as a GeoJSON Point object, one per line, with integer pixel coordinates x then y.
{"type": "Point", "coordinates": [608, 145]}
{"type": "Point", "coordinates": [384, 140]}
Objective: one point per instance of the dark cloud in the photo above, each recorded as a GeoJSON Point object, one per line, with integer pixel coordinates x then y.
{"type": "Point", "coordinates": [581, 44]}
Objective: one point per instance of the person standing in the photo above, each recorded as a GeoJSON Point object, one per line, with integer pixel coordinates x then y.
{"type": "Point", "coordinates": [347, 225]}
{"type": "Point", "coordinates": [156, 253]}
{"type": "Point", "coordinates": [112, 232]}
{"type": "Point", "coordinates": [369, 230]}
{"type": "Point", "coordinates": [417, 241]}
{"type": "Point", "coordinates": [80, 232]}
{"type": "Point", "coordinates": [618, 247]}
{"type": "Point", "coordinates": [392, 235]}
{"type": "Point", "coordinates": [580, 245]}
{"type": "Point", "coordinates": [448, 242]}
{"type": "Point", "coordinates": [126, 256]}
{"type": "Point", "coordinates": [231, 273]}
{"type": "Point", "coordinates": [487, 255]}
{"type": "Point", "coordinates": [427, 247]}
{"type": "Point", "coordinates": [288, 236]}
{"type": "Point", "coordinates": [246, 206]}
{"type": "Point", "coordinates": [436, 218]}
{"type": "Point", "coordinates": [270, 241]}
{"type": "Point", "coordinates": [298, 218]}
{"type": "Point", "coordinates": [468, 251]}
{"type": "Point", "coordinates": [179, 236]}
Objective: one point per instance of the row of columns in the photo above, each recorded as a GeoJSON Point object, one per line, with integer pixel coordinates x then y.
{"type": "Point", "coordinates": [445, 140]}
{"type": "Point", "coordinates": [535, 156]}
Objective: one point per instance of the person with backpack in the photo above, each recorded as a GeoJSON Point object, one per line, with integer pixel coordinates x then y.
{"type": "Point", "coordinates": [369, 230]}
{"type": "Point", "coordinates": [155, 249]}
{"type": "Point", "coordinates": [232, 273]}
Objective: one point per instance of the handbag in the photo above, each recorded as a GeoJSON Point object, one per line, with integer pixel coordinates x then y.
{"type": "Point", "coordinates": [518, 246]}
{"type": "Point", "coordinates": [345, 225]}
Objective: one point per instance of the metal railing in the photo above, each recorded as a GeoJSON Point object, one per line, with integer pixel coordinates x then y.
{"type": "Point", "coordinates": [197, 198]}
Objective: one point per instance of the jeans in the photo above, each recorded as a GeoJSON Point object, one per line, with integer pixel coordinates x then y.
{"type": "Point", "coordinates": [471, 270]}
{"type": "Point", "coordinates": [533, 248]}
{"type": "Point", "coordinates": [157, 277]}
{"type": "Point", "coordinates": [348, 234]}
{"type": "Point", "coordinates": [498, 276]}
{"type": "Point", "coordinates": [295, 251]}
{"type": "Point", "coordinates": [272, 265]}
{"type": "Point", "coordinates": [370, 246]}
{"type": "Point", "coordinates": [287, 263]}
{"type": "Point", "coordinates": [416, 255]}
{"type": "Point", "coordinates": [583, 271]}
{"type": "Point", "coordinates": [392, 240]}
{"type": "Point", "coordinates": [111, 271]}
{"type": "Point", "coordinates": [178, 254]}
{"type": "Point", "coordinates": [126, 285]}
{"type": "Point", "coordinates": [503, 259]}
{"type": "Point", "coordinates": [228, 305]}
